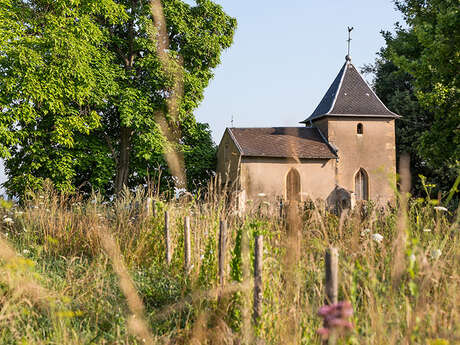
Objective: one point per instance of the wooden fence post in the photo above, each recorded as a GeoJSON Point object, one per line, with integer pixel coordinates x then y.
{"type": "Point", "coordinates": [222, 248]}
{"type": "Point", "coordinates": [258, 264]}
{"type": "Point", "coordinates": [331, 261]}
{"type": "Point", "coordinates": [167, 245]}
{"type": "Point", "coordinates": [187, 248]}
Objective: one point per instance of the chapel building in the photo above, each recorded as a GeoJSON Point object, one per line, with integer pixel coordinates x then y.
{"type": "Point", "coordinates": [344, 152]}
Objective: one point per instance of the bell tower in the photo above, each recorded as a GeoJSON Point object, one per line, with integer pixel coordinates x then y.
{"type": "Point", "coordinates": [361, 129]}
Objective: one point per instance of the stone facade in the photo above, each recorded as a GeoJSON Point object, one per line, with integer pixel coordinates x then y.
{"type": "Point", "coordinates": [374, 151]}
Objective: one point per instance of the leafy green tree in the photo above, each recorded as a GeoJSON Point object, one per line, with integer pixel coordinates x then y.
{"type": "Point", "coordinates": [436, 26]}
{"type": "Point", "coordinates": [416, 76]}
{"type": "Point", "coordinates": [82, 90]}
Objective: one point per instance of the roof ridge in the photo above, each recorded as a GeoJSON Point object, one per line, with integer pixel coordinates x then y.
{"type": "Point", "coordinates": [339, 86]}
{"type": "Point", "coordinates": [370, 88]}
{"type": "Point", "coordinates": [331, 147]}
{"type": "Point", "coordinates": [235, 141]}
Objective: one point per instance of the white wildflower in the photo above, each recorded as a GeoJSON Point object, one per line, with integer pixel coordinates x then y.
{"type": "Point", "coordinates": [41, 197]}
{"type": "Point", "coordinates": [365, 232]}
{"type": "Point", "coordinates": [435, 254]}
{"type": "Point", "coordinates": [18, 213]}
{"type": "Point", "coordinates": [24, 229]}
{"type": "Point", "coordinates": [440, 208]}
{"type": "Point", "coordinates": [377, 238]}
{"type": "Point", "coordinates": [426, 230]}
{"type": "Point", "coordinates": [201, 257]}
{"type": "Point", "coordinates": [412, 258]}
{"type": "Point", "coordinates": [8, 221]}
{"type": "Point", "coordinates": [261, 195]}
{"type": "Point", "coordinates": [26, 251]}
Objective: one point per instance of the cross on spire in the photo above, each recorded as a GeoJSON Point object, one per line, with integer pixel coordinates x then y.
{"type": "Point", "coordinates": [348, 57]}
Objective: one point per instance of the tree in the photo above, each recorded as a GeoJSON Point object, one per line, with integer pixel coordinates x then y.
{"type": "Point", "coordinates": [436, 27]}
{"type": "Point", "coordinates": [416, 76]}
{"type": "Point", "coordinates": [83, 91]}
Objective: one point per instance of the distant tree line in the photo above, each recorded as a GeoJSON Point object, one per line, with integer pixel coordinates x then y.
{"type": "Point", "coordinates": [416, 76]}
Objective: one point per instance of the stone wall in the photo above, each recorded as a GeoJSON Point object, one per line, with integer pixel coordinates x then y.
{"type": "Point", "coordinates": [268, 176]}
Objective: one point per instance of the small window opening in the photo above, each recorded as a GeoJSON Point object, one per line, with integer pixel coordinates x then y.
{"type": "Point", "coordinates": [359, 128]}
{"type": "Point", "coordinates": [361, 185]}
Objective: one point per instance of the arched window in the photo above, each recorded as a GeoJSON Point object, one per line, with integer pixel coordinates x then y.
{"type": "Point", "coordinates": [293, 185]}
{"type": "Point", "coordinates": [359, 128]}
{"type": "Point", "coordinates": [361, 185]}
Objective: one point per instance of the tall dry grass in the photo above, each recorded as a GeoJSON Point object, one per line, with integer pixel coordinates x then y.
{"type": "Point", "coordinates": [64, 283]}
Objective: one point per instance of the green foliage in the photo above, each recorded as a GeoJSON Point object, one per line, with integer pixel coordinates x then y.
{"type": "Point", "coordinates": [208, 269]}
{"type": "Point", "coordinates": [81, 89]}
{"type": "Point", "coordinates": [236, 270]}
{"type": "Point", "coordinates": [416, 77]}
{"type": "Point", "coordinates": [436, 29]}
{"type": "Point", "coordinates": [56, 74]}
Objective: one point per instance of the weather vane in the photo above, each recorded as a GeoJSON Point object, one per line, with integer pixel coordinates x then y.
{"type": "Point", "coordinates": [349, 40]}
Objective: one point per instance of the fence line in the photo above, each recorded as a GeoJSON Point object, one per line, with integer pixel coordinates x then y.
{"type": "Point", "coordinates": [330, 257]}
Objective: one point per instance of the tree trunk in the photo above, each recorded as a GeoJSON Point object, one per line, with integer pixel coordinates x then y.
{"type": "Point", "coordinates": [121, 178]}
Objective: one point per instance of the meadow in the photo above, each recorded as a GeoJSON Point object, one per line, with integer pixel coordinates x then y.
{"type": "Point", "coordinates": [76, 271]}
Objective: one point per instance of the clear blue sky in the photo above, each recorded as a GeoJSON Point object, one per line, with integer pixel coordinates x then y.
{"type": "Point", "coordinates": [284, 57]}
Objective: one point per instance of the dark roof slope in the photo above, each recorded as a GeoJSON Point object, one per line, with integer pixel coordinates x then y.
{"type": "Point", "coordinates": [350, 95]}
{"type": "Point", "coordinates": [281, 142]}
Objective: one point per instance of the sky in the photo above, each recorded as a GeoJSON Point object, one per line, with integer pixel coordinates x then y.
{"type": "Point", "coordinates": [284, 57]}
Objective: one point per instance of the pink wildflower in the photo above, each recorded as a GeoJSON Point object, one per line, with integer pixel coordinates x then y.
{"type": "Point", "coordinates": [335, 318]}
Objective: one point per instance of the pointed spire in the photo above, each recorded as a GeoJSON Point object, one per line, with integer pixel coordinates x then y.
{"type": "Point", "coordinates": [349, 96]}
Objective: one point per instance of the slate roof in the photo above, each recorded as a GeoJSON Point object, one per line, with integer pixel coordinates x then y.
{"type": "Point", "coordinates": [350, 95]}
{"type": "Point", "coordinates": [281, 142]}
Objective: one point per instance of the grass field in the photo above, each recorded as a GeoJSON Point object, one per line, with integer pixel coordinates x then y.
{"type": "Point", "coordinates": [89, 272]}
